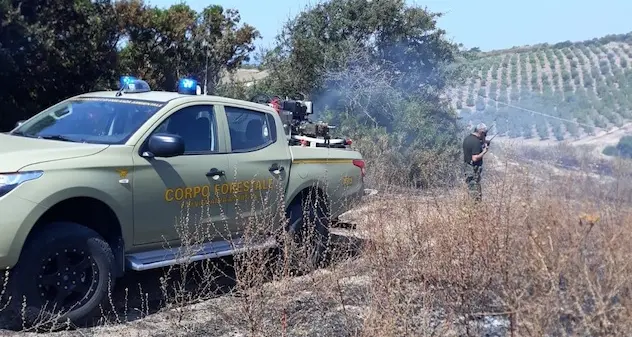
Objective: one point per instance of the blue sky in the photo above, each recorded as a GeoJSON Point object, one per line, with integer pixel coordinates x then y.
{"type": "Point", "coordinates": [487, 24]}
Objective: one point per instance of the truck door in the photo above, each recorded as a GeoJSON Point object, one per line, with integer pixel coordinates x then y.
{"type": "Point", "coordinates": [259, 162]}
{"type": "Point", "coordinates": [174, 197]}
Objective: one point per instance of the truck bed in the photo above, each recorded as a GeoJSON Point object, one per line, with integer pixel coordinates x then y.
{"type": "Point", "coordinates": [334, 171]}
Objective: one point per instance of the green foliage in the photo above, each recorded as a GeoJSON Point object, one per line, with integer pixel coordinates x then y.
{"type": "Point", "coordinates": [167, 44]}
{"type": "Point", "coordinates": [480, 104]}
{"type": "Point", "coordinates": [542, 130]}
{"type": "Point", "coordinates": [622, 149]}
{"type": "Point", "coordinates": [55, 49]}
{"type": "Point", "coordinates": [51, 50]}
{"type": "Point", "coordinates": [610, 151]}
{"type": "Point", "coordinates": [375, 65]}
{"type": "Point", "coordinates": [390, 35]}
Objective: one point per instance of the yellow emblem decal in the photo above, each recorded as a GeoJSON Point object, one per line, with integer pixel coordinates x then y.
{"type": "Point", "coordinates": [123, 176]}
{"type": "Point", "coordinates": [122, 173]}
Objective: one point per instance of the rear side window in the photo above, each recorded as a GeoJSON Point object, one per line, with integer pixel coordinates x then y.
{"type": "Point", "coordinates": [250, 130]}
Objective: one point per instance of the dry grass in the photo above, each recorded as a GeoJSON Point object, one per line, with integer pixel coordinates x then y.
{"type": "Point", "coordinates": [535, 259]}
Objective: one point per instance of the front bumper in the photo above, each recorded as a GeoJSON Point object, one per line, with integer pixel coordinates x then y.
{"type": "Point", "coordinates": [17, 217]}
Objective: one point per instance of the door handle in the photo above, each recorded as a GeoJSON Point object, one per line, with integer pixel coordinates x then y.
{"type": "Point", "coordinates": [215, 172]}
{"type": "Point", "coordinates": [276, 169]}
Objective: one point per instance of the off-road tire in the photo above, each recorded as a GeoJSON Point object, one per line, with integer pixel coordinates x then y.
{"type": "Point", "coordinates": [307, 246]}
{"type": "Point", "coordinates": [57, 246]}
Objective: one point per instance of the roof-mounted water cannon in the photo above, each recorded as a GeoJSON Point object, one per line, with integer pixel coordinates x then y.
{"type": "Point", "coordinates": [298, 128]}
{"type": "Point", "coordinates": [300, 109]}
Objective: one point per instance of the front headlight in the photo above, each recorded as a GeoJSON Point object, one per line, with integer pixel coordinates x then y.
{"type": "Point", "coordinates": [9, 181]}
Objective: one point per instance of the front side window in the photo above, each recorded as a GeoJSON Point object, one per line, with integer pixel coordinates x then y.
{"type": "Point", "coordinates": [249, 130]}
{"type": "Point", "coordinates": [90, 120]}
{"type": "Point", "coordinates": [197, 127]}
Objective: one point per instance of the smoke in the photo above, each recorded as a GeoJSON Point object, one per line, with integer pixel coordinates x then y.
{"type": "Point", "coordinates": [362, 88]}
{"type": "Point", "coordinates": [372, 98]}
{"type": "Point", "coordinates": [377, 93]}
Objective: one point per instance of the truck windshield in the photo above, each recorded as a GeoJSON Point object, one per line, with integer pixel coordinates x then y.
{"type": "Point", "coordinates": [90, 120]}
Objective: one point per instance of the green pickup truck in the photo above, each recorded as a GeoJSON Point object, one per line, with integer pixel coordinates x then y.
{"type": "Point", "coordinates": [95, 186]}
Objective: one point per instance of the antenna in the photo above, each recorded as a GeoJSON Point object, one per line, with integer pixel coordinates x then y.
{"type": "Point", "coordinates": [206, 65]}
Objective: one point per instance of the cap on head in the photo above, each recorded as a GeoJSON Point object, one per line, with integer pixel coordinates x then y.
{"type": "Point", "coordinates": [481, 128]}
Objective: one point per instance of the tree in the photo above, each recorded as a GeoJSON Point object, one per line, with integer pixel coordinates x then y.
{"type": "Point", "coordinates": [622, 149]}
{"type": "Point", "coordinates": [167, 44]}
{"type": "Point", "coordinates": [379, 65]}
{"type": "Point", "coordinates": [625, 146]}
{"type": "Point", "coordinates": [398, 38]}
{"type": "Point", "coordinates": [480, 104]}
{"type": "Point", "coordinates": [156, 41]}
{"type": "Point", "coordinates": [55, 49]}
{"type": "Point", "coordinates": [52, 50]}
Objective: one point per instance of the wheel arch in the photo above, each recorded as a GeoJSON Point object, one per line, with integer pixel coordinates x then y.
{"type": "Point", "coordinates": [307, 192]}
{"type": "Point", "coordinates": [90, 212]}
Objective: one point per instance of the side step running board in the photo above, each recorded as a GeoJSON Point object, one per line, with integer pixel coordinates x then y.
{"type": "Point", "coordinates": [343, 225]}
{"type": "Point", "coordinates": [169, 257]}
{"type": "Point", "coordinates": [370, 192]}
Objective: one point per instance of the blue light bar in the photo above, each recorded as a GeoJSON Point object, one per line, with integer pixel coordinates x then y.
{"type": "Point", "coordinates": [125, 80]}
{"type": "Point", "coordinates": [131, 84]}
{"type": "Point", "coordinates": [188, 86]}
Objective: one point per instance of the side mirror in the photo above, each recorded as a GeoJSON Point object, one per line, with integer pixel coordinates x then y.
{"type": "Point", "coordinates": [20, 122]}
{"type": "Point", "coordinates": [164, 145]}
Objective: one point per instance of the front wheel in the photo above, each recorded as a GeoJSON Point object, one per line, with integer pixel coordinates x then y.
{"type": "Point", "coordinates": [64, 273]}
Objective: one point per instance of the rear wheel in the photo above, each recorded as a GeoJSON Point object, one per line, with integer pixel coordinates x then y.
{"type": "Point", "coordinates": [64, 273]}
{"type": "Point", "coordinates": [306, 246]}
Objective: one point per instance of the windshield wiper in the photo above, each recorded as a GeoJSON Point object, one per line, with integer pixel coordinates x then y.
{"type": "Point", "coordinates": [20, 133]}
{"type": "Point", "coordinates": [58, 137]}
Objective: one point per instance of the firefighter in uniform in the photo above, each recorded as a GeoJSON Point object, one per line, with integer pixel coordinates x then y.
{"type": "Point", "coordinates": [474, 148]}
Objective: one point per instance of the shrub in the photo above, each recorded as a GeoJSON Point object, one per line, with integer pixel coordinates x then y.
{"type": "Point", "coordinates": [624, 147]}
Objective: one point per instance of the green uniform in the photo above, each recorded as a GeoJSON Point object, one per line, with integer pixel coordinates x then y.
{"type": "Point", "coordinates": [473, 145]}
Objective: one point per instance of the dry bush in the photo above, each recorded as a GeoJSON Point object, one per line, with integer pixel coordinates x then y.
{"type": "Point", "coordinates": [389, 170]}
{"type": "Point", "coordinates": [551, 258]}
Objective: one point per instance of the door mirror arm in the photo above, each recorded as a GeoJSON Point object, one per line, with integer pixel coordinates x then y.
{"type": "Point", "coordinates": [147, 154]}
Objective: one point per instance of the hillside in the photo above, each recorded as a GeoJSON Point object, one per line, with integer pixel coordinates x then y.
{"type": "Point", "coordinates": [565, 91]}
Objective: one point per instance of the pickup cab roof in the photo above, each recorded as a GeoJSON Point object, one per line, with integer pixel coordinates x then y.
{"type": "Point", "coordinates": [168, 96]}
